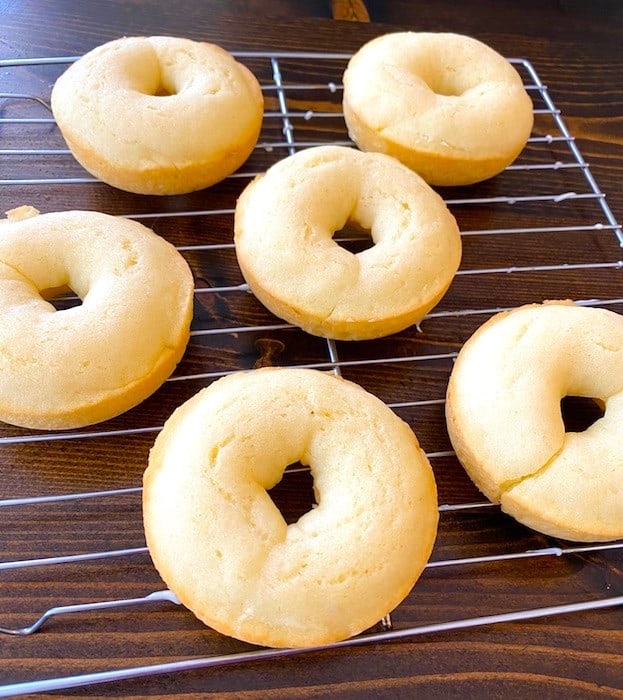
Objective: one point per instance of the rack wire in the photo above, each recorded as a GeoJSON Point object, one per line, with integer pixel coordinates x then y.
{"type": "Point", "coordinates": [302, 112]}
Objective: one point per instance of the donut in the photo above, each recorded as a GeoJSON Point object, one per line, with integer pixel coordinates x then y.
{"type": "Point", "coordinates": [284, 223]}
{"type": "Point", "coordinates": [85, 364]}
{"type": "Point", "coordinates": [446, 105]}
{"type": "Point", "coordinates": [223, 547]}
{"type": "Point", "coordinates": [158, 115]}
{"type": "Point", "coordinates": [504, 417]}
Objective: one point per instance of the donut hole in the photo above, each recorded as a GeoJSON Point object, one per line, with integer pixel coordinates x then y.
{"type": "Point", "coordinates": [353, 237]}
{"type": "Point", "coordinates": [61, 298]}
{"type": "Point", "coordinates": [164, 91]}
{"type": "Point", "coordinates": [580, 412]}
{"type": "Point", "coordinates": [445, 88]}
{"type": "Point", "coordinates": [294, 494]}
{"type": "Point", "coordinates": [163, 85]}
{"type": "Point", "coordinates": [443, 82]}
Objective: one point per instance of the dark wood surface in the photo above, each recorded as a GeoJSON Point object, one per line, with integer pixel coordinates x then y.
{"type": "Point", "coordinates": [575, 49]}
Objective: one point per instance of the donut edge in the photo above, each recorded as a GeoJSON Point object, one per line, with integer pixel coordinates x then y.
{"type": "Point", "coordinates": [116, 402]}
{"type": "Point", "coordinates": [435, 168]}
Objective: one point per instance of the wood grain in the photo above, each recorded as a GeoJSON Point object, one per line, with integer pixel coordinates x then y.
{"type": "Point", "coordinates": [571, 656]}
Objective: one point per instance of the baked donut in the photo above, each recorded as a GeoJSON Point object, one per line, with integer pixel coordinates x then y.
{"type": "Point", "coordinates": [284, 224]}
{"type": "Point", "coordinates": [446, 105]}
{"type": "Point", "coordinates": [504, 417]}
{"type": "Point", "coordinates": [158, 115]}
{"type": "Point", "coordinates": [223, 547]}
{"type": "Point", "coordinates": [82, 365]}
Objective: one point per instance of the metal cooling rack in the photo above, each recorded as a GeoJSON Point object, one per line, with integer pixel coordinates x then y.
{"type": "Point", "coordinates": [288, 129]}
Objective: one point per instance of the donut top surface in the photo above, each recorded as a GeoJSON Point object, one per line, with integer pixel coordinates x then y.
{"type": "Point", "coordinates": [447, 105]}
{"type": "Point", "coordinates": [439, 91]}
{"type": "Point", "coordinates": [222, 545]}
{"type": "Point", "coordinates": [284, 226]}
{"type": "Point", "coordinates": [505, 420]}
{"type": "Point", "coordinates": [57, 368]}
{"type": "Point", "coordinates": [157, 100]}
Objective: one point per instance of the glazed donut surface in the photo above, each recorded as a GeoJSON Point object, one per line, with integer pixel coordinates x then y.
{"type": "Point", "coordinates": [446, 105]}
{"type": "Point", "coordinates": [223, 547]}
{"type": "Point", "coordinates": [82, 365]}
{"type": "Point", "coordinates": [158, 115]}
{"type": "Point", "coordinates": [504, 417]}
{"type": "Point", "coordinates": [284, 224]}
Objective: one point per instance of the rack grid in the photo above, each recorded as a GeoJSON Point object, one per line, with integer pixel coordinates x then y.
{"type": "Point", "coordinates": [231, 331]}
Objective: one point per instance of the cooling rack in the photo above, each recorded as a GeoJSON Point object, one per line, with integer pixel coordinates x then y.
{"type": "Point", "coordinates": [522, 233]}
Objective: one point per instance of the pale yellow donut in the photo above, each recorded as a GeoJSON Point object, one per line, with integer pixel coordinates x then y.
{"type": "Point", "coordinates": [65, 369]}
{"type": "Point", "coordinates": [446, 105]}
{"type": "Point", "coordinates": [504, 417]}
{"type": "Point", "coordinates": [284, 225]}
{"type": "Point", "coordinates": [158, 115]}
{"type": "Point", "coordinates": [223, 547]}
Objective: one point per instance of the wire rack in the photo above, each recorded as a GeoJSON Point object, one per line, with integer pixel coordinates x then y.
{"type": "Point", "coordinates": [231, 331]}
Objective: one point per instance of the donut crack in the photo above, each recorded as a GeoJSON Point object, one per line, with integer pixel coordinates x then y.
{"type": "Point", "coordinates": [226, 494]}
{"type": "Point", "coordinates": [608, 347]}
{"type": "Point", "coordinates": [452, 146]}
{"type": "Point", "coordinates": [8, 358]}
{"type": "Point", "coordinates": [511, 483]}
{"type": "Point", "coordinates": [329, 314]}
{"type": "Point", "coordinates": [216, 449]}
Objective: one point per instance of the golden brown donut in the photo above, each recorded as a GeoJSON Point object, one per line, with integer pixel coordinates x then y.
{"type": "Point", "coordinates": [504, 417]}
{"type": "Point", "coordinates": [284, 225]}
{"type": "Point", "coordinates": [82, 365]}
{"type": "Point", "coordinates": [223, 547]}
{"type": "Point", "coordinates": [158, 115]}
{"type": "Point", "coordinates": [446, 105]}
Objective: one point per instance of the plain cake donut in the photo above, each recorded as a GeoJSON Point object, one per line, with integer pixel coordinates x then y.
{"type": "Point", "coordinates": [158, 115]}
{"type": "Point", "coordinates": [284, 226]}
{"type": "Point", "coordinates": [446, 105]}
{"type": "Point", "coordinates": [88, 363]}
{"type": "Point", "coordinates": [223, 547]}
{"type": "Point", "coordinates": [504, 417]}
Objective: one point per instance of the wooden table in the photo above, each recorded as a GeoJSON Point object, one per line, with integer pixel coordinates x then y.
{"type": "Point", "coordinates": [537, 231]}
